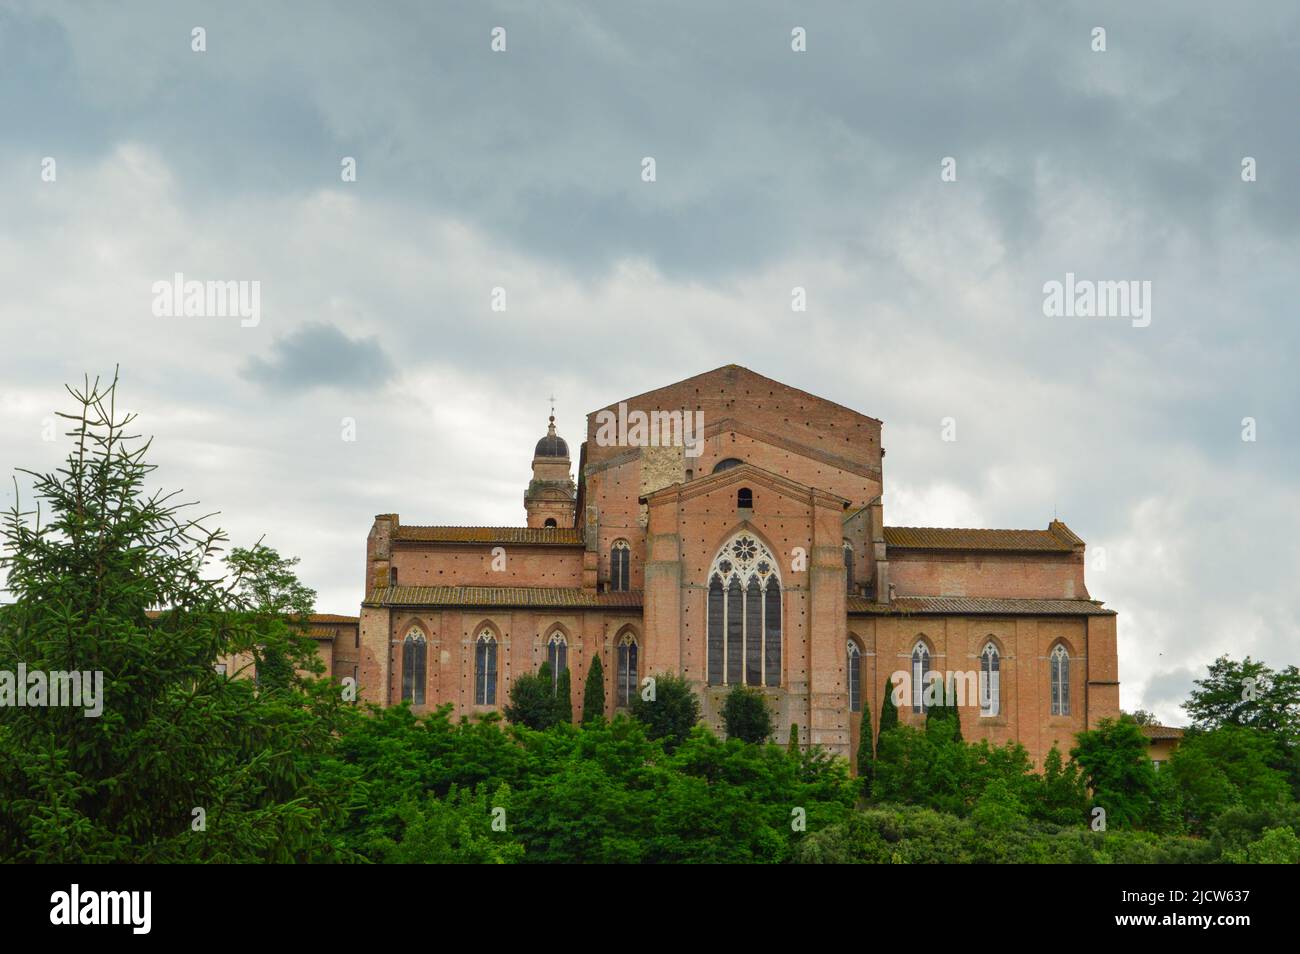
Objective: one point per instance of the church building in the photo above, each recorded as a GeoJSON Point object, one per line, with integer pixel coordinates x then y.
{"type": "Point", "coordinates": [731, 529]}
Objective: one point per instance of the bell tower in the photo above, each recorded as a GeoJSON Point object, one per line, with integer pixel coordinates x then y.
{"type": "Point", "coordinates": [551, 493]}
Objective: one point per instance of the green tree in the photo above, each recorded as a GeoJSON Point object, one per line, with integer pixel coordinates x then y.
{"type": "Point", "coordinates": [792, 746]}
{"type": "Point", "coordinates": [669, 712]}
{"type": "Point", "coordinates": [1118, 770]}
{"type": "Point", "coordinates": [1062, 798]}
{"type": "Point", "coordinates": [746, 715]}
{"type": "Point", "coordinates": [564, 698]}
{"type": "Point", "coordinates": [946, 714]}
{"type": "Point", "coordinates": [1231, 766]}
{"type": "Point", "coordinates": [888, 711]}
{"type": "Point", "coordinates": [1277, 846]}
{"type": "Point", "coordinates": [593, 692]}
{"type": "Point", "coordinates": [1247, 693]}
{"type": "Point", "coordinates": [278, 609]}
{"type": "Point", "coordinates": [866, 752]}
{"type": "Point", "coordinates": [532, 700]}
{"type": "Point", "coordinates": [179, 763]}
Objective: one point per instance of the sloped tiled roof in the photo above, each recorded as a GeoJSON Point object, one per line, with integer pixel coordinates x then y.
{"type": "Point", "coordinates": [332, 618]}
{"type": "Point", "coordinates": [1155, 732]}
{"type": "Point", "coordinates": [976, 606]}
{"type": "Point", "coordinates": [520, 596]}
{"type": "Point", "coordinates": [1057, 538]}
{"type": "Point", "coordinates": [561, 536]}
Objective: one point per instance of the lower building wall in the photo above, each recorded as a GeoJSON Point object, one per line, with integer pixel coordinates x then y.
{"type": "Point", "coordinates": [955, 643]}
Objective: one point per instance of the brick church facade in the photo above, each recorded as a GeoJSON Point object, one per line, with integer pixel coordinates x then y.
{"type": "Point", "coordinates": [753, 550]}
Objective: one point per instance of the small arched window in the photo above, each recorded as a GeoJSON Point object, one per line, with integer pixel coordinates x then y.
{"type": "Point", "coordinates": [920, 670]}
{"type": "Point", "coordinates": [628, 673]}
{"type": "Point", "coordinates": [485, 669]}
{"type": "Point", "coordinates": [620, 567]}
{"type": "Point", "coordinates": [848, 563]}
{"type": "Point", "coordinates": [550, 523]}
{"type": "Point", "coordinates": [855, 677]}
{"type": "Point", "coordinates": [557, 654]}
{"type": "Point", "coordinates": [392, 576]}
{"type": "Point", "coordinates": [1060, 667]}
{"type": "Point", "coordinates": [414, 653]}
{"type": "Point", "coordinates": [727, 464]}
{"type": "Point", "coordinates": [990, 680]}
{"type": "Point", "coordinates": [744, 499]}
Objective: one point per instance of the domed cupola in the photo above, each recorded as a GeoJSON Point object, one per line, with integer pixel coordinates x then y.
{"type": "Point", "coordinates": [551, 493]}
{"type": "Point", "coordinates": [552, 445]}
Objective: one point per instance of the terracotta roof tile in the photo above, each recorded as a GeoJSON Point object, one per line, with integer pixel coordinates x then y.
{"type": "Point", "coordinates": [333, 618]}
{"type": "Point", "coordinates": [560, 536]}
{"type": "Point", "coordinates": [976, 606]}
{"type": "Point", "coordinates": [521, 596]}
{"type": "Point", "coordinates": [1161, 731]}
{"type": "Point", "coordinates": [1058, 538]}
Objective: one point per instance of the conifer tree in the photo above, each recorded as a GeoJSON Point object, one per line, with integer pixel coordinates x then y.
{"type": "Point", "coordinates": [593, 692]}
{"type": "Point", "coordinates": [888, 711]}
{"type": "Point", "coordinates": [564, 698]}
{"type": "Point", "coordinates": [866, 752]}
{"type": "Point", "coordinates": [179, 763]}
{"type": "Point", "coordinates": [793, 745]}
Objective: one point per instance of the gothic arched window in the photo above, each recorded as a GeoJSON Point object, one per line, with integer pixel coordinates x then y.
{"type": "Point", "coordinates": [744, 499]}
{"type": "Point", "coordinates": [485, 669]}
{"type": "Point", "coordinates": [920, 669]}
{"type": "Point", "coordinates": [620, 565]}
{"type": "Point", "coordinates": [557, 654]}
{"type": "Point", "coordinates": [1060, 667]}
{"type": "Point", "coordinates": [744, 615]}
{"type": "Point", "coordinates": [414, 654]}
{"type": "Point", "coordinates": [990, 680]}
{"type": "Point", "coordinates": [855, 677]}
{"type": "Point", "coordinates": [627, 671]}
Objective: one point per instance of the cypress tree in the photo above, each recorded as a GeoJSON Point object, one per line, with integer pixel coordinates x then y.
{"type": "Point", "coordinates": [866, 752]}
{"type": "Point", "coordinates": [888, 711]}
{"type": "Point", "coordinates": [947, 713]}
{"type": "Point", "coordinates": [793, 745]}
{"type": "Point", "coordinates": [564, 698]}
{"type": "Point", "coordinates": [593, 692]}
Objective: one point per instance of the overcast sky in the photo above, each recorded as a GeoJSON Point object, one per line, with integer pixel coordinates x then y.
{"type": "Point", "coordinates": [774, 168]}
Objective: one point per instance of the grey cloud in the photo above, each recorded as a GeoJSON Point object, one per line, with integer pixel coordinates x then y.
{"type": "Point", "coordinates": [319, 355]}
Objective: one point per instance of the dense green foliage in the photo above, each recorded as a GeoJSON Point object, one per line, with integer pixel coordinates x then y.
{"type": "Point", "coordinates": [670, 712]}
{"type": "Point", "coordinates": [601, 792]}
{"type": "Point", "coordinates": [888, 711]}
{"type": "Point", "coordinates": [534, 701]}
{"type": "Point", "coordinates": [564, 697]}
{"type": "Point", "coordinates": [746, 716]}
{"type": "Point", "coordinates": [866, 753]}
{"type": "Point", "coordinates": [593, 692]}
